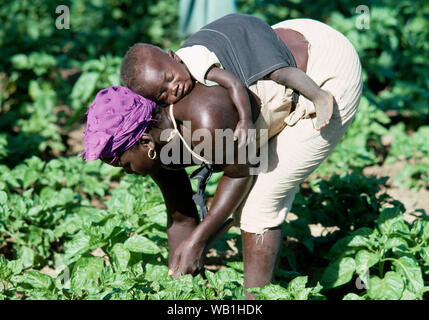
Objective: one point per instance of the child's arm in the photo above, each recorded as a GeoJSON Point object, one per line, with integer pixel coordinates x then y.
{"type": "Point", "coordinates": [295, 78]}
{"type": "Point", "coordinates": [240, 98]}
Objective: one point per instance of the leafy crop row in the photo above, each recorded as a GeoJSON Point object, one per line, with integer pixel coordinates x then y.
{"type": "Point", "coordinates": [48, 222]}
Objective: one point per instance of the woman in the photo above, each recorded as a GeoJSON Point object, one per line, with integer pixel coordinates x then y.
{"type": "Point", "coordinates": [260, 202]}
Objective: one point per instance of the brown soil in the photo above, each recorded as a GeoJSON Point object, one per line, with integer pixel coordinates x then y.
{"type": "Point", "coordinates": [412, 200]}
{"type": "Point", "coordinates": [75, 140]}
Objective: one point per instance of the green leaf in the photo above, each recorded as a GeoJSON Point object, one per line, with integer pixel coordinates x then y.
{"type": "Point", "coordinates": [86, 270]}
{"type": "Point", "coordinates": [16, 266]}
{"type": "Point", "coordinates": [3, 198]}
{"type": "Point", "coordinates": [339, 272]}
{"type": "Point", "coordinates": [347, 245]}
{"type": "Point", "coordinates": [157, 215]}
{"type": "Point", "coordinates": [391, 220]}
{"type": "Point", "coordinates": [20, 61]}
{"type": "Point", "coordinates": [141, 244]}
{"type": "Point", "coordinates": [229, 275]}
{"type": "Point", "coordinates": [214, 280]}
{"type": "Point", "coordinates": [236, 265]}
{"type": "Point", "coordinates": [365, 260]}
{"type": "Point", "coordinates": [395, 242]}
{"type": "Point", "coordinates": [389, 288]}
{"type": "Point", "coordinates": [38, 280]}
{"type": "Point", "coordinates": [358, 241]}
{"type": "Point", "coordinates": [424, 253]}
{"type": "Point", "coordinates": [408, 295]}
{"type": "Point", "coordinates": [271, 292]}
{"type": "Point", "coordinates": [352, 296]}
{"type": "Point", "coordinates": [30, 177]}
{"type": "Point", "coordinates": [426, 230]}
{"type": "Point", "coordinates": [412, 273]}
{"type": "Point", "coordinates": [298, 290]}
{"type": "Point", "coordinates": [78, 245]}
{"type": "Point", "coordinates": [297, 284]}
{"type": "Point", "coordinates": [121, 256]}
{"type": "Point", "coordinates": [155, 272]}
{"type": "Point", "coordinates": [5, 271]}
{"type": "Point", "coordinates": [84, 86]}
{"type": "Point", "coordinates": [26, 255]}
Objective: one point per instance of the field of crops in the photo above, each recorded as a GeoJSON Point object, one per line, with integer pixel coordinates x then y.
{"type": "Point", "coordinates": [359, 228]}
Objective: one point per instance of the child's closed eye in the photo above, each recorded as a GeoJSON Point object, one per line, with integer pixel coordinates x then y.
{"type": "Point", "coordinates": [169, 77]}
{"type": "Point", "coordinates": [162, 96]}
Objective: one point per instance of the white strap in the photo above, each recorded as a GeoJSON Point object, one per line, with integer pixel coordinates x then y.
{"type": "Point", "coordinates": [176, 131]}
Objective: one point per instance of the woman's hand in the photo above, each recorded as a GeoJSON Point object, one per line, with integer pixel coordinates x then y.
{"type": "Point", "coordinates": [188, 258]}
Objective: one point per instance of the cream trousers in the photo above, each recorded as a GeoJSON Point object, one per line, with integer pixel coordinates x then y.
{"type": "Point", "coordinates": [299, 149]}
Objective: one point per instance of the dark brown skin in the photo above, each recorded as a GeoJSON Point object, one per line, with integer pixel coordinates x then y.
{"type": "Point", "coordinates": [187, 237]}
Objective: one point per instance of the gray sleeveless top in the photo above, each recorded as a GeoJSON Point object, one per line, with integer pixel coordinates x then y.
{"type": "Point", "coordinates": [245, 45]}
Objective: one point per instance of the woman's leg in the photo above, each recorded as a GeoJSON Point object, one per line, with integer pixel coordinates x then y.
{"type": "Point", "coordinates": [260, 255]}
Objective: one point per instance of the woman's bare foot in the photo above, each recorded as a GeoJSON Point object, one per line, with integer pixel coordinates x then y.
{"type": "Point", "coordinates": [324, 107]}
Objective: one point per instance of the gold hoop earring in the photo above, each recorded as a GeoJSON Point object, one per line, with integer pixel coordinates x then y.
{"type": "Point", "coordinates": [153, 154]}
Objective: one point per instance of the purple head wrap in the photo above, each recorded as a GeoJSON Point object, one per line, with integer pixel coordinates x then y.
{"type": "Point", "coordinates": [116, 120]}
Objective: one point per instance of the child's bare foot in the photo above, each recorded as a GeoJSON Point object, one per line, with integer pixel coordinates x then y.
{"type": "Point", "coordinates": [324, 107]}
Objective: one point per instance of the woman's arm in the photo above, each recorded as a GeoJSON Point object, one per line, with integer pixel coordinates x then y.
{"type": "Point", "coordinates": [216, 112]}
{"type": "Point", "coordinates": [182, 215]}
{"type": "Point", "coordinates": [229, 194]}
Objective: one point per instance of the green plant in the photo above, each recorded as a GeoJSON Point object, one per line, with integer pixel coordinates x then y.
{"type": "Point", "coordinates": [296, 290]}
{"type": "Point", "coordinates": [101, 234]}
{"type": "Point", "coordinates": [390, 260]}
{"type": "Point", "coordinates": [415, 150]}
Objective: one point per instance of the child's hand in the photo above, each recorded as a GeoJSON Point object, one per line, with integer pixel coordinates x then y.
{"type": "Point", "coordinates": [243, 134]}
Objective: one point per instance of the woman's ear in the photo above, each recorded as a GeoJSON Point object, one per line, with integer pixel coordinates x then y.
{"type": "Point", "coordinates": [174, 56]}
{"type": "Point", "coordinates": [146, 141]}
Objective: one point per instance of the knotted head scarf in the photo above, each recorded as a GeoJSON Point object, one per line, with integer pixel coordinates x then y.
{"type": "Point", "coordinates": [116, 120]}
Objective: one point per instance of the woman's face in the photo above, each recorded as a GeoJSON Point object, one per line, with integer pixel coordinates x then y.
{"type": "Point", "coordinates": [136, 161]}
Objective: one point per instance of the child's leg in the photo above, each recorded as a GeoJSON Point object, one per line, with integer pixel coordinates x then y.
{"type": "Point", "coordinates": [323, 100]}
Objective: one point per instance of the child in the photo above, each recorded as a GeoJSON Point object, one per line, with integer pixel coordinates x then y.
{"type": "Point", "coordinates": [234, 51]}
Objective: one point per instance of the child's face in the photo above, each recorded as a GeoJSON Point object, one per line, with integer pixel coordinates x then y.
{"type": "Point", "coordinates": [165, 79]}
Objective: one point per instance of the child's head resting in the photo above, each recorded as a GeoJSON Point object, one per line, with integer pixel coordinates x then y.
{"type": "Point", "coordinates": [154, 74]}
{"type": "Point", "coordinates": [116, 120]}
